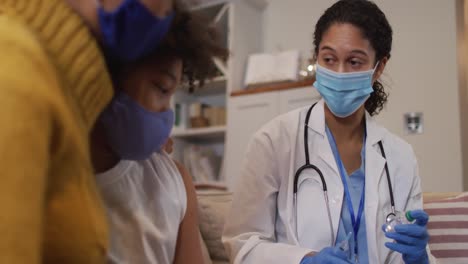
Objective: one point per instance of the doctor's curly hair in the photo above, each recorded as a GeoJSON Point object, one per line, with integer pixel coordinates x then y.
{"type": "Point", "coordinates": [368, 17]}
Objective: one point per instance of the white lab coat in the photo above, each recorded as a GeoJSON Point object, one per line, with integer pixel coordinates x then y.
{"type": "Point", "coordinates": [261, 225]}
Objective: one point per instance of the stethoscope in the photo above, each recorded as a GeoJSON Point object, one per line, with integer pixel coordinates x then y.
{"type": "Point", "coordinates": [308, 165]}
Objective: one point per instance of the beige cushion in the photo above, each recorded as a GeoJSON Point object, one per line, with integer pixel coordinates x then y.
{"type": "Point", "coordinates": [205, 253]}
{"type": "Point", "coordinates": [213, 208]}
{"type": "Point", "coordinates": [431, 196]}
{"type": "Point", "coordinates": [220, 262]}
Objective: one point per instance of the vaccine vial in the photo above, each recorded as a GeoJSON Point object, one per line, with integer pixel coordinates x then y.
{"type": "Point", "coordinates": [398, 218]}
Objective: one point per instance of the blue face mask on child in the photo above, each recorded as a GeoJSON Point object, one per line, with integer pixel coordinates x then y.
{"type": "Point", "coordinates": [344, 93]}
{"type": "Point", "coordinates": [131, 31]}
{"type": "Point", "coordinates": [133, 132]}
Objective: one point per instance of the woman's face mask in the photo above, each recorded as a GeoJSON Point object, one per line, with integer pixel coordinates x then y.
{"type": "Point", "coordinates": [344, 93]}
{"type": "Point", "coordinates": [131, 31]}
{"type": "Point", "coordinates": [345, 69]}
{"type": "Point", "coordinates": [138, 121]}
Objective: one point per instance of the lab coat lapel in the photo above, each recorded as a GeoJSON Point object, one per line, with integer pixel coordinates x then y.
{"type": "Point", "coordinates": [317, 124]}
{"type": "Point", "coordinates": [375, 164]}
{"type": "Point", "coordinates": [321, 147]}
{"type": "Point", "coordinates": [325, 153]}
{"type": "Point", "coordinates": [333, 179]}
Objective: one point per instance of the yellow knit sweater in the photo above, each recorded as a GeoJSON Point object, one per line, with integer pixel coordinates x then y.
{"type": "Point", "coordinates": [53, 84]}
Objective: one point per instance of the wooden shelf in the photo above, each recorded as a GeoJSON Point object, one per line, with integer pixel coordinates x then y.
{"type": "Point", "coordinates": [259, 4]}
{"type": "Point", "coordinates": [205, 5]}
{"type": "Point", "coordinates": [211, 87]}
{"type": "Point", "coordinates": [205, 132]}
{"type": "Point", "coordinates": [210, 186]}
{"type": "Point", "coordinates": [275, 87]}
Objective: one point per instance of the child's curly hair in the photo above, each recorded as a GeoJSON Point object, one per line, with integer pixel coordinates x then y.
{"type": "Point", "coordinates": [196, 41]}
{"type": "Point", "coordinates": [192, 38]}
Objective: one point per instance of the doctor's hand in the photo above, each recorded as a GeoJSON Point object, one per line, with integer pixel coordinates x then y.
{"type": "Point", "coordinates": [411, 239]}
{"type": "Point", "coordinates": [329, 255]}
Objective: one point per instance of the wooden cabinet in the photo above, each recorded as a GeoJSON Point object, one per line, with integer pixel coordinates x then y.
{"type": "Point", "coordinates": [297, 98]}
{"type": "Point", "coordinates": [248, 113]}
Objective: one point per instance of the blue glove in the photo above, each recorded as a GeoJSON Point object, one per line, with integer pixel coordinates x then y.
{"type": "Point", "coordinates": [329, 255]}
{"type": "Point", "coordinates": [411, 239]}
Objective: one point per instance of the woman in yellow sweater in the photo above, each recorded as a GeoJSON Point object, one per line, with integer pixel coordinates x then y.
{"type": "Point", "coordinates": [53, 85]}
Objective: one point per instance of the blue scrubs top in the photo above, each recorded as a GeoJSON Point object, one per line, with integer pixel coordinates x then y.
{"type": "Point", "coordinates": [356, 186]}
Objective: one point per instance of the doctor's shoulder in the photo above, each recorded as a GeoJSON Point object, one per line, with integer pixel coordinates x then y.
{"type": "Point", "coordinates": [397, 145]}
{"type": "Point", "coordinates": [281, 130]}
{"type": "Point", "coordinates": [400, 154]}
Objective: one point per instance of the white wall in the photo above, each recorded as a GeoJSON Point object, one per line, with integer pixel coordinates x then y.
{"type": "Point", "coordinates": [422, 74]}
{"type": "Point", "coordinates": [462, 9]}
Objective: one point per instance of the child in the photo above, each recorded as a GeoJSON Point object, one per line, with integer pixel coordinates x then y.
{"type": "Point", "coordinates": [151, 201]}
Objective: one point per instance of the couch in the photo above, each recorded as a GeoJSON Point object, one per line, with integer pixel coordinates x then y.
{"type": "Point", "coordinates": [448, 226]}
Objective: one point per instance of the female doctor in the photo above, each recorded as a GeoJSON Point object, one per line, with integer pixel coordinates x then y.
{"type": "Point", "coordinates": [319, 183]}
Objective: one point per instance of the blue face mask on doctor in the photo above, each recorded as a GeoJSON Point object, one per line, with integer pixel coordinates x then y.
{"type": "Point", "coordinates": [131, 31]}
{"type": "Point", "coordinates": [344, 93]}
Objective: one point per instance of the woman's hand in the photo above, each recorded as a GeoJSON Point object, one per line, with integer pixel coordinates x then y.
{"type": "Point", "coordinates": [329, 255]}
{"type": "Point", "coordinates": [411, 239]}
{"type": "Point", "coordinates": [159, 8]}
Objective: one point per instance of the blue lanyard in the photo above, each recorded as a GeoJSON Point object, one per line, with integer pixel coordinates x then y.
{"type": "Point", "coordinates": [356, 221]}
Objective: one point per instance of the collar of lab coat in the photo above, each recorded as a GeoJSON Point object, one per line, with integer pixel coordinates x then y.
{"type": "Point", "coordinates": [374, 172]}
{"type": "Point", "coordinates": [375, 132]}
